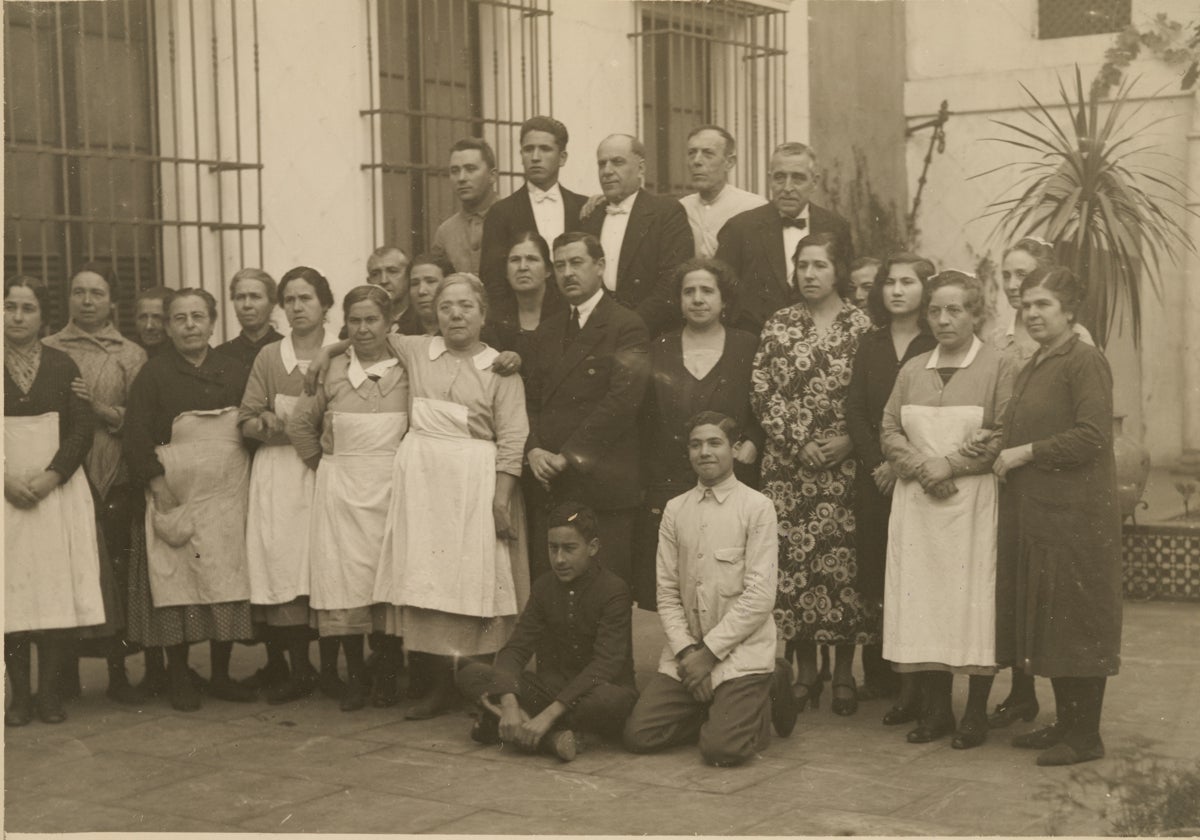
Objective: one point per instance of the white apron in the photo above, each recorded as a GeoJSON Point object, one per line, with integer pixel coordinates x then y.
{"type": "Point", "coordinates": [440, 550]}
{"type": "Point", "coordinates": [277, 523]}
{"type": "Point", "coordinates": [51, 562]}
{"type": "Point", "coordinates": [940, 584]}
{"type": "Point", "coordinates": [197, 551]}
{"type": "Point", "coordinates": [350, 506]}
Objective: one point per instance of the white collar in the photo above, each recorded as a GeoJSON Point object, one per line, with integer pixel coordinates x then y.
{"type": "Point", "coordinates": [357, 374]}
{"type": "Point", "coordinates": [936, 356]}
{"type": "Point", "coordinates": [483, 359]}
{"type": "Point", "coordinates": [627, 203]}
{"type": "Point", "coordinates": [588, 306]}
{"type": "Point", "coordinates": [719, 491]}
{"type": "Point", "coordinates": [554, 192]}
{"type": "Point", "coordinates": [725, 190]}
{"type": "Point", "coordinates": [1012, 325]}
{"type": "Point", "coordinates": [287, 350]}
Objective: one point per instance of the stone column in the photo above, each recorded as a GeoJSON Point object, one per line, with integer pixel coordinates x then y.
{"type": "Point", "coordinates": [1190, 460]}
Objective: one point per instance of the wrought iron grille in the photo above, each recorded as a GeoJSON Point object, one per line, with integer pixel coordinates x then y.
{"type": "Point", "coordinates": [132, 135]}
{"type": "Point", "coordinates": [1066, 18]}
{"type": "Point", "coordinates": [721, 62]}
{"type": "Point", "coordinates": [448, 69]}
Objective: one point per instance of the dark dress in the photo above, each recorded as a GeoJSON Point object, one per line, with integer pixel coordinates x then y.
{"type": "Point", "coordinates": [674, 396]}
{"type": "Point", "coordinates": [167, 386]}
{"type": "Point", "coordinates": [245, 350]}
{"type": "Point", "coordinates": [875, 370]}
{"type": "Point", "coordinates": [1058, 575]}
{"type": "Point", "coordinates": [51, 391]}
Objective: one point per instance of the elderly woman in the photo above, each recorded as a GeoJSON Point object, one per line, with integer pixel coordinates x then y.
{"type": "Point", "coordinates": [801, 374]}
{"type": "Point", "coordinates": [189, 581]}
{"type": "Point", "coordinates": [531, 278]}
{"type": "Point", "coordinates": [895, 305]}
{"type": "Point", "coordinates": [706, 366]}
{"type": "Point", "coordinates": [939, 595]}
{"type": "Point", "coordinates": [1060, 526]}
{"type": "Point", "coordinates": [282, 485]}
{"type": "Point", "coordinates": [454, 564]}
{"type": "Point", "coordinates": [349, 431]}
{"type": "Point", "coordinates": [253, 293]}
{"type": "Point", "coordinates": [51, 565]}
{"type": "Point", "coordinates": [108, 363]}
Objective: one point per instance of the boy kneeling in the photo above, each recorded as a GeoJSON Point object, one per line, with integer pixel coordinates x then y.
{"type": "Point", "coordinates": [718, 677]}
{"type": "Point", "coordinates": [577, 622]}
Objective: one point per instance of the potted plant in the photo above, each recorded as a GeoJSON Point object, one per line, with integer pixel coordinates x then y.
{"type": "Point", "coordinates": [1093, 191]}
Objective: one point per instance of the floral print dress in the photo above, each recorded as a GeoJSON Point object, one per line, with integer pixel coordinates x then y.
{"type": "Point", "coordinates": [799, 390]}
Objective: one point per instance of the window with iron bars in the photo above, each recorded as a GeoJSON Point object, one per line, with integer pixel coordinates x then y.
{"type": "Point", "coordinates": [720, 62]}
{"type": "Point", "coordinates": [131, 136]}
{"type": "Point", "coordinates": [448, 69]}
{"type": "Point", "coordinates": [1067, 18]}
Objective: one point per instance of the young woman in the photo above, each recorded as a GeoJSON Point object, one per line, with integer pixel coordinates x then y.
{"type": "Point", "coordinates": [801, 374]}
{"type": "Point", "coordinates": [51, 563]}
{"type": "Point", "coordinates": [282, 485]}
{"type": "Point", "coordinates": [895, 305]}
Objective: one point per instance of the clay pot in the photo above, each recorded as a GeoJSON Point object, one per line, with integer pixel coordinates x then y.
{"type": "Point", "coordinates": [1133, 467]}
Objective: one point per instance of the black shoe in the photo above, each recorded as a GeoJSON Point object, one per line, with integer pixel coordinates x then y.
{"type": "Point", "coordinates": [783, 702]}
{"type": "Point", "coordinates": [1010, 711]}
{"type": "Point", "coordinates": [185, 697]}
{"type": "Point", "coordinates": [331, 686]}
{"type": "Point", "coordinates": [384, 690]}
{"type": "Point", "coordinates": [232, 691]}
{"type": "Point", "coordinates": [154, 684]}
{"type": "Point", "coordinates": [20, 713]}
{"type": "Point", "coordinates": [972, 732]}
{"type": "Point", "coordinates": [1063, 754]}
{"type": "Point", "coordinates": [265, 677]}
{"type": "Point", "coordinates": [1040, 739]}
{"type": "Point", "coordinates": [50, 708]}
{"type": "Point", "coordinates": [931, 730]}
{"type": "Point", "coordinates": [355, 696]}
{"type": "Point", "coordinates": [486, 730]}
{"type": "Point", "coordinates": [901, 714]}
{"type": "Point", "coordinates": [294, 688]}
{"type": "Point", "coordinates": [561, 744]}
{"type": "Point", "coordinates": [845, 706]}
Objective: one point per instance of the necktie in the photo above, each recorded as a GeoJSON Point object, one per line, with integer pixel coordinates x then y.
{"type": "Point", "coordinates": [799, 224]}
{"type": "Point", "coordinates": [615, 210]}
{"type": "Point", "coordinates": [538, 198]}
{"type": "Point", "coordinates": [572, 326]}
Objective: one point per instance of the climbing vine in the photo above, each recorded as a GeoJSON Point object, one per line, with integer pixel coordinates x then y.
{"type": "Point", "coordinates": [1174, 43]}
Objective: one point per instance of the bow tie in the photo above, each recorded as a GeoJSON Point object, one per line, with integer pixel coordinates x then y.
{"type": "Point", "coordinates": [788, 221]}
{"type": "Point", "coordinates": [615, 210]}
{"type": "Point", "coordinates": [538, 198]}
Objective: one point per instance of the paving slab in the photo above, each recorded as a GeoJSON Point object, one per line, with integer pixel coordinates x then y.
{"type": "Point", "coordinates": [358, 812]}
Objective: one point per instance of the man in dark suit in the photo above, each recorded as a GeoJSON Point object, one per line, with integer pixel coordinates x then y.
{"type": "Point", "coordinates": [644, 236]}
{"type": "Point", "coordinates": [588, 369]}
{"type": "Point", "coordinates": [541, 204]}
{"type": "Point", "coordinates": [760, 244]}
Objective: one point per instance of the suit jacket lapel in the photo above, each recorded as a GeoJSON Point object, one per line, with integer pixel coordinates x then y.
{"type": "Point", "coordinates": [771, 241]}
{"type": "Point", "coordinates": [524, 210]}
{"type": "Point", "coordinates": [588, 336]}
{"type": "Point", "coordinates": [639, 223]}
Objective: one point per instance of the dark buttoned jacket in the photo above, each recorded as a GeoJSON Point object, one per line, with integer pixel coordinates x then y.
{"type": "Point", "coordinates": [752, 244]}
{"type": "Point", "coordinates": [583, 402]}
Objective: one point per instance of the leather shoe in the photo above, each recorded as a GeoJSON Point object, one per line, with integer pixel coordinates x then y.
{"type": "Point", "coordinates": [1062, 754]}
{"type": "Point", "coordinates": [355, 696]}
{"type": "Point", "coordinates": [293, 688]}
{"type": "Point", "coordinates": [331, 686]}
{"type": "Point", "coordinates": [901, 714]}
{"type": "Point", "coordinates": [50, 709]}
{"type": "Point", "coordinates": [486, 730]}
{"type": "Point", "coordinates": [972, 732]}
{"type": "Point", "coordinates": [783, 702]}
{"type": "Point", "coordinates": [1009, 712]}
{"type": "Point", "coordinates": [231, 690]}
{"type": "Point", "coordinates": [931, 730]}
{"type": "Point", "coordinates": [19, 713]}
{"type": "Point", "coordinates": [561, 744]}
{"type": "Point", "coordinates": [1040, 739]}
{"type": "Point", "coordinates": [845, 706]}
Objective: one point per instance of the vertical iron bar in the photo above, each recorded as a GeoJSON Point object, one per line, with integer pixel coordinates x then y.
{"type": "Point", "coordinates": [550, 58]}
{"type": "Point", "coordinates": [262, 257]}
{"type": "Point", "coordinates": [108, 142]}
{"type": "Point", "coordinates": [134, 228]}
{"type": "Point", "coordinates": [85, 164]}
{"type": "Point", "coordinates": [155, 145]}
{"type": "Point", "coordinates": [219, 175]}
{"type": "Point", "coordinates": [373, 126]}
{"type": "Point", "coordinates": [196, 147]}
{"type": "Point", "coordinates": [176, 142]}
{"type": "Point", "coordinates": [237, 132]}
{"type": "Point", "coordinates": [65, 161]}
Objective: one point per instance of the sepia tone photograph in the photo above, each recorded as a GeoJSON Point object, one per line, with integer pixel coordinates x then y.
{"type": "Point", "coordinates": [602, 417]}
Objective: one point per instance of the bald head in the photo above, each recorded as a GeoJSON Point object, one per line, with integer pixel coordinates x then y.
{"type": "Point", "coordinates": [621, 165]}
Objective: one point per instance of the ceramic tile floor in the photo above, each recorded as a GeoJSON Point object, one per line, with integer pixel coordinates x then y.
{"type": "Point", "coordinates": [307, 767]}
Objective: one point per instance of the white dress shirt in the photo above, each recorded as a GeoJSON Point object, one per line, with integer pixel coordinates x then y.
{"type": "Point", "coordinates": [549, 212]}
{"type": "Point", "coordinates": [708, 217]}
{"type": "Point", "coordinates": [612, 234]}
{"type": "Point", "coordinates": [791, 238]}
{"type": "Point", "coordinates": [587, 307]}
{"type": "Point", "coordinates": [717, 572]}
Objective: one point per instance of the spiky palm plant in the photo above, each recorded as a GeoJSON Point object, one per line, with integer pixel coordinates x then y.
{"type": "Point", "coordinates": [1084, 194]}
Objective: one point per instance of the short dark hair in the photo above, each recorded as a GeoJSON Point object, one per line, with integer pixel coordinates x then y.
{"type": "Point", "coordinates": [833, 249]}
{"type": "Point", "coordinates": [254, 274]}
{"type": "Point", "coordinates": [723, 273]}
{"type": "Point", "coordinates": [548, 125]}
{"type": "Point", "coordinates": [104, 269]}
{"type": "Point", "coordinates": [429, 258]}
{"type": "Point", "coordinates": [713, 418]}
{"type": "Point", "coordinates": [538, 241]}
{"type": "Point", "coordinates": [210, 302]}
{"type": "Point", "coordinates": [635, 145]}
{"type": "Point", "coordinates": [922, 267]}
{"type": "Point", "coordinates": [730, 144]}
{"type": "Point", "coordinates": [971, 286]}
{"type": "Point", "coordinates": [1060, 282]}
{"type": "Point", "coordinates": [313, 278]}
{"type": "Point", "coordinates": [594, 249]}
{"type": "Point", "coordinates": [36, 285]}
{"type": "Point", "coordinates": [367, 292]}
{"type": "Point", "coordinates": [865, 262]}
{"type": "Point", "coordinates": [159, 293]}
{"type": "Point", "coordinates": [477, 144]}
{"type": "Point", "coordinates": [575, 515]}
